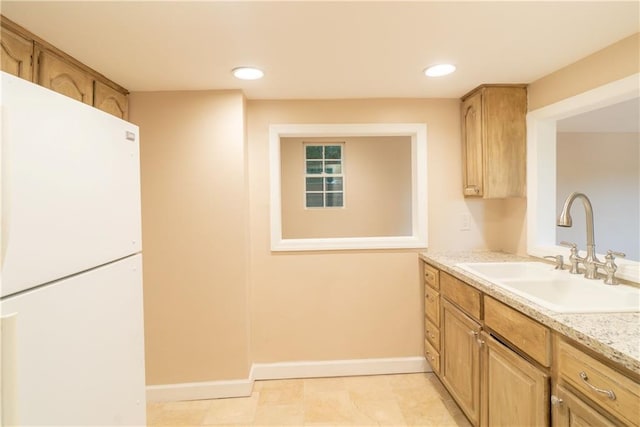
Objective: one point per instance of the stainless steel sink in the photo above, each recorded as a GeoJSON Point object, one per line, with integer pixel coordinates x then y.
{"type": "Point", "coordinates": [557, 290]}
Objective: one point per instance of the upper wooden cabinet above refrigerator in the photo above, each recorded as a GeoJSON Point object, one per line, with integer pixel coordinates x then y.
{"type": "Point", "coordinates": [494, 141]}
{"type": "Point", "coordinates": [27, 56]}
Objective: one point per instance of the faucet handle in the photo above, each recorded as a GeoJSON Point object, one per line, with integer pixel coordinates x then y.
{"type": "Point", "coordinates": [573, 258]}
{"type": "Point", "coordinates": [611, 254]}
{"type": "Point", "coordinates": [610, 266]}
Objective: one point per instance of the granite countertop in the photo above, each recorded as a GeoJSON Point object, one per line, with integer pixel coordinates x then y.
{"type": "Point", "coordinates": [613, 335]}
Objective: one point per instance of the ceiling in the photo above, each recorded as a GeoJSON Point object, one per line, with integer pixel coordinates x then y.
{"type": "Point", "coordinates": [322, 49]}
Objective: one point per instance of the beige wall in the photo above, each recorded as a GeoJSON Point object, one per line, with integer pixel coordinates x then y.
{"type": "Point", "coordinates": [615, 62]}
{"type": "Point", "coordinates": [194, 230]}
{"type": "Point", "coordinates": [377, 188]}
{"type": "Point", "coordinates": [351, 304]}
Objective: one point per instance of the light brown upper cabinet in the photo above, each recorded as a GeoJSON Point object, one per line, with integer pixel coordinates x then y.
{"type": "Point", "coordinates": [25, 55]}
{"type": "Point", "coordinates": [16, 52]}
{"type": "Point", "coordinates": [63, 77]}
{"type": "Point", "coordinates": [110, 100]}
{"type": "Point", "coordinates": [494, 141]}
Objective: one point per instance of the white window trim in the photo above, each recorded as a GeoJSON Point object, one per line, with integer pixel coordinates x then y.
{"type": "Point", "coordinates": [419, 235]}
{"type": "Point", "coordinates": [541, 158]}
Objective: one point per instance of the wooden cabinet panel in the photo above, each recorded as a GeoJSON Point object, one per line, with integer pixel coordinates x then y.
{"type": "Point", "coordinates": [431, 276]}
{"type": "Point", "coordinates": [570, 411]}
{"type": "Point", "coordinates": [458, 292]}
{"type": "Point", "coordinates": [432, 305]}
{"type": "Point", "coordinates": [494, 141]}
{"type": "Point", "coordinates": [514, 392]}
{"type": "Point", "coordinates": [460, 359]}
{"type": "Point", "coordinates": [63, 77]}
{"type": "Point", "coordinates": [16, 53]}
{"type": "Point", "coordinates": [523, 332]}
{"type": "Point", "coordinates": [610, 389]}
{"type": "Point", "coordinates": [432, 333]}
{"type": "Point", "coordinates": [110, 100]}
{"type": "Point", "coordinates": [472, 146]}
{"type": "Point", "coordinates": [432, 356]}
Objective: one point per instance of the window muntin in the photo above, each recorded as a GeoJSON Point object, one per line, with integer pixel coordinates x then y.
{"type": "Point", "coordinates": [324, 175]}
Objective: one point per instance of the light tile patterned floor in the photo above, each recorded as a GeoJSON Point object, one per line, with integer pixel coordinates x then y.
{"type": "Point", "coordinates": [385, 400]}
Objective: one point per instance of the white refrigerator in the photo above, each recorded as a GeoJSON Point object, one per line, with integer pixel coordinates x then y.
{"type": "Point", "coordinates": [72, 321]}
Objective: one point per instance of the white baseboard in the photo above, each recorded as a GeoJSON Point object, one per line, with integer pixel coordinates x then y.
{"type": "Point", "coordinates": [338, 368]}
{"type": "Point", "coordinates": [283, 370]}
{"type": "Point", "coordinates": [199, 390]}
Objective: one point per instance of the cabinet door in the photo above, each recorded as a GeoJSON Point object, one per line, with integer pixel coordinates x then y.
{"type": "Point", "coordinates": [504, 150]}
{"type": "Point", "coordinates": [514, 392]}
{"type": "Point", "coordinates": [16, 53]}
{"type": "Point", "coordinates": [472, 150]}
{"type": "Point", "coordinates": [58, 75]}
{"type": "Point", "coordinates": [460, 359]}
{"type": "Point", "coordinates": [570, 411]}
{"type": "Point", "coordinates": [110, 100]}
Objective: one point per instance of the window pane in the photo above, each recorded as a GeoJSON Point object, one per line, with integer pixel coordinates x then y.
{"type": "Point", "coordinates": [314, 151]}
{"type": "Point", "coordinates": [333, 152]}
{"type": "Point", "coordinates": [334, 200]}
{"type": "Point", "coordinates": [333, 184]}
{"type": "Point", "coordinates": [314, 167]}
{"type": "Point", "coordinates": [333, 166]}
{"type": "Point", "coordinates": [314, 184]}
{"type": "Point", "coordinates": [314, 200]}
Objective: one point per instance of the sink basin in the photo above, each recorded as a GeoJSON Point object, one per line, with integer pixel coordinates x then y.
{"type": "Point", "coordinates": [557, 290]}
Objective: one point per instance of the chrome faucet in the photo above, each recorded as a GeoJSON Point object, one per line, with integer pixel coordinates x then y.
{"type": "Point", "coordinates": [590, 262]}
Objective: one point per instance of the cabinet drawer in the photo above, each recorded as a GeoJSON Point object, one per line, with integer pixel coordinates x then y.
{"type": "Point", "coordinates": [458, 292]}
{"type": "Point", "coordinates": [432, 333]}
{"type": "Point", "coordinates": [609, 388]}
{"type": "Point", "coordinates": [432, 305]}
{"type": "Point", "coordinates": [432, 356]}
{"type": "Point", "coordinates": [520, 330]}
{"type": "Point", "coordinates": [431, 276]}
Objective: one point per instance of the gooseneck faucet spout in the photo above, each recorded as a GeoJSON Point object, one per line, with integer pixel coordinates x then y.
{"type": "Point", "coordinates": [565, 220]}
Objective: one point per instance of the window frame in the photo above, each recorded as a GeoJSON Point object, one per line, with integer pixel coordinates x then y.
{"type": "Point", "coordinates": [419, 212]}
{"type": "Point", "coordinates": [541, 158]}
{"type": "Point", "coordinates": [324, 175]}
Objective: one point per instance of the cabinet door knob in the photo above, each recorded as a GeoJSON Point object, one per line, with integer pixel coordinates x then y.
{"type": "Point", "coordinates": [555, 400]}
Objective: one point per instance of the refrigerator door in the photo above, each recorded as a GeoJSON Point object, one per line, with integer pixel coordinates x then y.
{"type": "Point", "coordinates": [79, 349]}
{"type": "Point", "coordinates": [70, 186]}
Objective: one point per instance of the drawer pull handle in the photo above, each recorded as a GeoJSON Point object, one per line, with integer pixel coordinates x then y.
{"type": "Point", "coordinates": [610, 394]}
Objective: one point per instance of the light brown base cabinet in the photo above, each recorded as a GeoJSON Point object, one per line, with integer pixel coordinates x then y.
{"type": "Point", "coordinates": [514, 391]}
{"type": "Point", "coordinates": [571, 411]}
{"type": "Point", "coordinates": [431, 278]}
{"type": "Point", "coordinates": [500, 365]}
{"type": "Point", "coordinates": [460, 365]}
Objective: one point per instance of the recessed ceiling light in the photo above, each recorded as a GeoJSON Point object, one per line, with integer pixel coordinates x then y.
{"type": "Point", "coordinates": [248, 73]}
{"type": "Point", "coordinates": [439, 70]}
